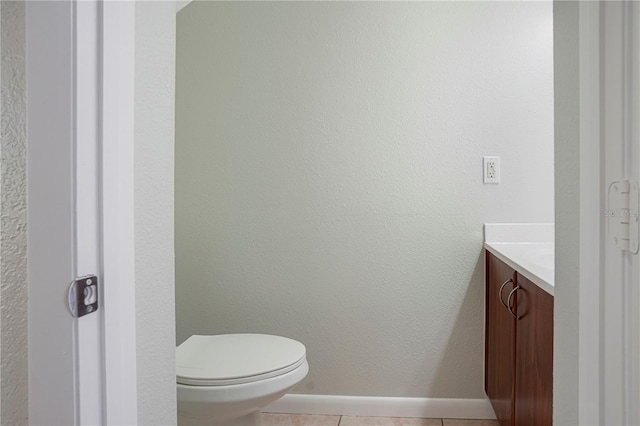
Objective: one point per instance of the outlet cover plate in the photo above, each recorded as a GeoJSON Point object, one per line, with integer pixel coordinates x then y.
{"type": "Point", "coordinates": [491, 169]}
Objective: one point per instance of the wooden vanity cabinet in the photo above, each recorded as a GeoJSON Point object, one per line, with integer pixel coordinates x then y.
{"type": "Point", "coordinates": [534, 355]}
{"type": "Point", "coordinates": [499, 357]}
{"type": "Point", "coordinates": [518, 352]}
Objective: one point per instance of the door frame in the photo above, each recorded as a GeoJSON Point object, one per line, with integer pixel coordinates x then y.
{"type": "Point", "coordinates": [608, 282]}
{"type": "Point", "coordinates": [118, 58]}
{"type": "Point", "coordinates": [118, 377]}
{"type": "Point", "coordinates": [589, 387]}
{"type": "Point", "coordinates": [593, 324]}
{"type": "Point", "coordinates": [80, 76]}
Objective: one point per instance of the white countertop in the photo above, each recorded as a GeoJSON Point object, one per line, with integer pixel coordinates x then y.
{"type": "Point", "coordinates": [526, 247]}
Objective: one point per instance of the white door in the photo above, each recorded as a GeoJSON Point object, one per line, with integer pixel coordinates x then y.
{"type": "Point", "coordinates": [80, 185]}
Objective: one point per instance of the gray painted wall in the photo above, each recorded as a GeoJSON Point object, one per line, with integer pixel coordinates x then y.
{"type": "Point", "coordinates": [329, 178]}
{"type": "Point", "coordinates": [154, 140]}
{"type": "Point", "coordinates": [13, 216]}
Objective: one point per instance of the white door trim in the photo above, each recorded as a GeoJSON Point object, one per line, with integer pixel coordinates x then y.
{"type": "Point", "coordinates": [609, 151]}
{"type": "Point", "coordinates": [618, 20]}
{"type": "Point", "coordinates": [85, 183]}
{"type": "Point", "coordinates": [80, 74]}
{"type": "Point", "coordinates": [590, 398]}
{"type": "Point", "coordinates": [118, 31]}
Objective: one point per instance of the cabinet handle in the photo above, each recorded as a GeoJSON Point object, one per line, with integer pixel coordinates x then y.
{"type": "Point", "coordinates": [509, 302]}
{"type": "Point", "coordinates": [510, 280]}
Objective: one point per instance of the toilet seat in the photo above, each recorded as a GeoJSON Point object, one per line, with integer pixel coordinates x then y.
{"type": "Point", "coordinates": [231, 359]}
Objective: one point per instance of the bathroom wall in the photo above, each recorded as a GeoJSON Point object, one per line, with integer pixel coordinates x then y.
{"type": "Point", "coordinates": [154, 252]}
{"type": "Point", "coordinates": [329, 178]}
{"type": "Point", "coordinates": [13, 216]}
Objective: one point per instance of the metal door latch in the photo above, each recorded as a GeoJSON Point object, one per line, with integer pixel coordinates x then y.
{"type": "Point", "coordinates": [83, 296]}
{"type": "Point", "coordinates": [622, 215]}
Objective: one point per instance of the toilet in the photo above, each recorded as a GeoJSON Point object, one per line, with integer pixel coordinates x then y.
{"type": "Point", "coordinates": [227, 379]}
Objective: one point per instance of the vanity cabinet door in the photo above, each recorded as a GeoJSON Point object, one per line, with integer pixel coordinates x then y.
{"type": "Point", "coordinates": [534, 355]}
{"type": "Point", "coordinates": [500, 341]}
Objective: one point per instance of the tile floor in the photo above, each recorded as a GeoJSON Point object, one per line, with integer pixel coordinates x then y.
{"type": "Point", "coordinates": [272, 419]}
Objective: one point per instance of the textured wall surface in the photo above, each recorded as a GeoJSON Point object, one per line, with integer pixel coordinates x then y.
{"type": "Point", "coordinates": [567, 192]}
{"type": "Point", "coordinates": [329, 178]}
{"type": "Point", "coordinates": [13, 216]}
{"type": "Point", "coordinates": [154, 169]}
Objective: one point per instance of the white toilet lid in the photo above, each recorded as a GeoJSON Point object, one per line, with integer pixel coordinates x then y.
{"type": "Point", "coordinates": [228, 359]}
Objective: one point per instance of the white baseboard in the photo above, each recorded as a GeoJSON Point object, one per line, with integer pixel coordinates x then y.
{"type": "Point", "coordinates": [374, 406]}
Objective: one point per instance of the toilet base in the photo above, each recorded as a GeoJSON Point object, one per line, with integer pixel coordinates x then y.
{"type": "Point", "coordinates": [221, 405]}
{"type": "Point", "coordinates": [253, 419]}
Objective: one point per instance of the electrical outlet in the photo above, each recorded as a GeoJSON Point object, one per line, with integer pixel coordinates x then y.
{"type": "Point", "coordinates": [491, 169]}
